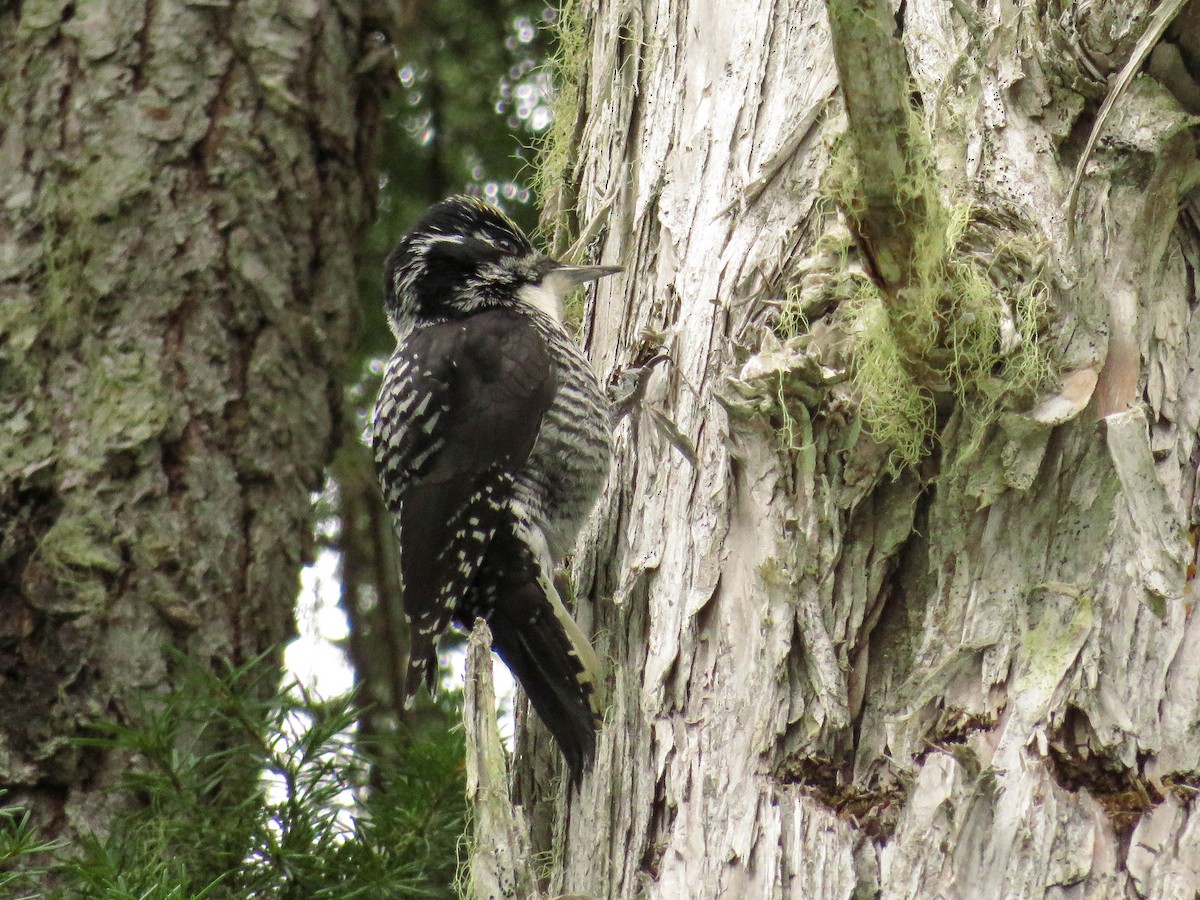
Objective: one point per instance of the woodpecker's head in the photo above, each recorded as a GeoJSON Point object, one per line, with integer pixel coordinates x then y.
{"type": "Point", "coordinates": [464, 256]}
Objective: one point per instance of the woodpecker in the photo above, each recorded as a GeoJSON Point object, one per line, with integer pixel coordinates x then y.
{"type": "Point", "coordinates": [492, 439]}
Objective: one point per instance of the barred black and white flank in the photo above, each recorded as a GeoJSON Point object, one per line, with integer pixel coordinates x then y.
{"type": "Point", "coordinates": [492, 439]}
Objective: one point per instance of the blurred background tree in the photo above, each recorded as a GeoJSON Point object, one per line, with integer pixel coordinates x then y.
{"type": "Point", "coordinates": [180, 703]}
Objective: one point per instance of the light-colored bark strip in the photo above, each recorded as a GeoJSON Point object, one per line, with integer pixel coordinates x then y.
{"type": "Point", "coordinates": [500, 864]}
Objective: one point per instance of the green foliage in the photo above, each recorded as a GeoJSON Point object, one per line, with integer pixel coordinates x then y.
{"type": "Point", "coordinates": [22, 852]}
{"type": "Point", "coordinates": [207, 824]}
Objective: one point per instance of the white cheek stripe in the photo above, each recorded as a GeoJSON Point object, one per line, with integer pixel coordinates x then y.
{"type": "Point", "coordinates": [542, 298]}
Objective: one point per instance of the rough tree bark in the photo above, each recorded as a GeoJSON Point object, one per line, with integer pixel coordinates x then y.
{"type": "Point", "coordinates": [979, 677]}
{"type": "Point", "coordinates": [182, 189]}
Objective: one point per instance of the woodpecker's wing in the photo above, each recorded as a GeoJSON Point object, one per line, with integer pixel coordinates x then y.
{"type": "Point", "coordinates": [459, 411]}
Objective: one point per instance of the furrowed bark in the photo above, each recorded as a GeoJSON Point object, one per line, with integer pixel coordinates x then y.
{"type": "Point", "coordinates": [976, 677]}
{"type": "Point", "coordinates": [182, 187]}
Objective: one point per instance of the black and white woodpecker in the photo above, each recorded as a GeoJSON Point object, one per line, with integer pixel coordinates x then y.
{"type": "Point", "coordinates": [492, 439]}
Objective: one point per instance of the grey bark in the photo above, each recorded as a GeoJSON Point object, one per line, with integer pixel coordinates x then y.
{"type": "Point", "coordinates": [182, 186]}
{"type": "Point", "coordinates": [501, 863]}
{"type": "Point", "coordinates": [977, 678]}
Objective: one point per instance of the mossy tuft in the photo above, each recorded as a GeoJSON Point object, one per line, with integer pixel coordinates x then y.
{"type": "Point", "coordinates": [555, 151]}
{"type": "Point", "coordinates": [968, 325]}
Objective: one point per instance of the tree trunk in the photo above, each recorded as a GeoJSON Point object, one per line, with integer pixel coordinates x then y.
{"type": "Point", "coordinates": [917, 622]}
{"type": "Point", "coordinates": [182, 186]}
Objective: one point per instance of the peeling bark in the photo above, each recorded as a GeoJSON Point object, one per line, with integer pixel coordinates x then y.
{"type": "Point", "coordinates": [182, 187]}
{"type": "Point", "coordinates": [977, 678]}
{"type": "Point", "coordinates": [501, 862]}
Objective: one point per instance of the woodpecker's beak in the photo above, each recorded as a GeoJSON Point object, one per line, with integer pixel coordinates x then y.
{"type": "Point", "coordinates": [573, 276]}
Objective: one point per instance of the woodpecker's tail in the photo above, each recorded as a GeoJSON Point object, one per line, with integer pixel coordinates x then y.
{"type": "Point", "coordinates": [541, 644]}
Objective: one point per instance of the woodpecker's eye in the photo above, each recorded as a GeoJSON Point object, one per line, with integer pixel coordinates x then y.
{"type": "Point", "coordinates": [500, 243]}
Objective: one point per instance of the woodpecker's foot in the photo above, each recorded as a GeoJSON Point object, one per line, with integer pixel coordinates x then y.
{"type": "Point", "coordinates": [629, 388]}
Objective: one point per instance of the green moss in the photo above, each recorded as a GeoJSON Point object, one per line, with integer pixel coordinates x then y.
{"type": "Point", "coordinates": [1061, 628]}
{"type": "Point", "coordinates": [896, 410]}
{"type": "Point", "coordinates": [557, 147]}
{"type": "Point", "coordinates": [963, 334]}
{"type": "Point", "coordinates": [125, 399]}
{"type": "Point", "coordinates": [77, 543]}
{"type": "Point", "coordinates": [773, 572]}
{"type": "Point", "coordinates": [37, 15]}
{"type": "Point", "coordinates": [18, 328]}
{"type": "Point", "coordinates": [77, 241]}
{"type": "Point", "coordinates": [68, 302]}
{"type": "Point", "coordinates": [967, 326]}
{"type": "Point", "coordinates": [20, 373]}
